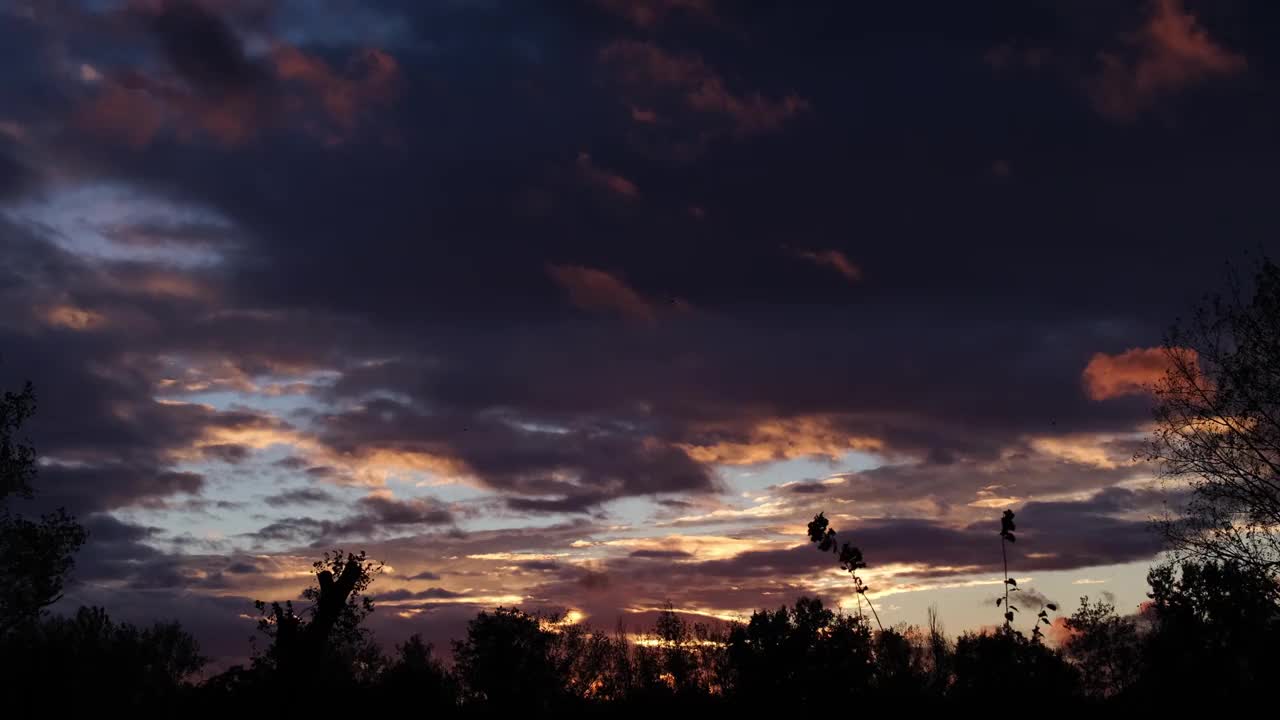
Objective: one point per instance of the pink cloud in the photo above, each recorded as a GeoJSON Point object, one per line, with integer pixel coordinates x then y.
{"type": "Point", "coordinates": [834, 260]}
{"type": "Point", "coordinates": [646, 69]}
{"type": "Point", "coordinates": [598, 291]}
{"type": "Point", "coordinates": [301, 91]}
{"type": "Point", "coordinates": [605, 179]}
{"type": "Point", "coordinates": [370, 80]}
{"type": "Point", "coordinates": [1174, 53]}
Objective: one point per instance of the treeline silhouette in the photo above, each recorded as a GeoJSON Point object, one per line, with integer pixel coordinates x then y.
{"type": "Point", "coordinates": [1211, 627]}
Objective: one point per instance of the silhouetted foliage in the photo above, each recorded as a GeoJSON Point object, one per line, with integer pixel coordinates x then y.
{"type": "Point", "coordinates": [1215, 626]}
{"type": "Point", "coordinates": [1007, 526]}
{"type": "Point", "coordinates": [1218, 425]}
{"type": "Point", "coordinates": [939, 655]}
{"type": "Point", "coordinates": [35, 555]}
{"type": "Point", "coordinates": [506, 662]}
{"type": "Point", "coordinates": [850, 558]}
{"type": "Point", "coordinates": [1104, 646]}
{"type": "Point", "coordinates": [792, 655]}
{"type": "Point", "coordinates": [415, 678]}
{"type": "Point", "coordinates": [325, 644]}
{"type": "Point", "coordinates": [88, 660]}
{"type": "Point", "coordinates": [1208, 626]}
{"type": "Point", "coordinates": [1006, 665]}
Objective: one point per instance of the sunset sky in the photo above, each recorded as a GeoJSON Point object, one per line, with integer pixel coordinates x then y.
{"type": "Point", "coordinates": [591, 305]}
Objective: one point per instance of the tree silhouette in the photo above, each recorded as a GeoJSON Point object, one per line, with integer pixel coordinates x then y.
{"type": "Point", "coordinates": [35, 555]}
{"type": "Point", "coordinates": [793, 654]}
{"type": "Point", "coordinates": [85, 659]}
{"type": "Point", "coordinates": [1104, 646]}
{"type": "Point", "coordinates": [1215, 626]}
{"type": "Point", "coordinates": [1218, 425]}
{"type": "Point", "coordinates": [505, 662]}
{"type": "Point", "coordinates": [416, 677]}
{"type": "Point", "coordinates": [1004, 665]}
{"type": "Point", "coordinates": [326, 640]}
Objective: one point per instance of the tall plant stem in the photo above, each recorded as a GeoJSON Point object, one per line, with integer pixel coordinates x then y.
{"type": "Point", "coordinates": [874, 614]}
{"type": "Point", "coordinates": [1004, 555]}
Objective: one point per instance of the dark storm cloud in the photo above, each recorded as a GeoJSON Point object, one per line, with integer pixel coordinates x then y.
{"type": "Point", "coordinates": [203, 47]}
{"type": "Point", "coordinates": [16, 177]}
{"type": "Point", "coordinates": [604, 462]}
{"type": "Point", "coordinates": [117, 551]}
{"type": "Point", "coordinates": [227, 452]}
{"type": "Point", "coordinates": [807, 488]}
{"type": "Point", "coordinates": [300, 496]}
{"type": "Point", "coordinates": [943, 380]}
{"type": "Point", "coordinates": [374, 516]}
{"type": "Point", "coordinates": [434, 593]}
{"type": "Point", "coordinates": [660, 554]}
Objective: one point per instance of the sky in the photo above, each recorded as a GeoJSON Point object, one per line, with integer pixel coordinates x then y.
{"type": "Point", "coordinates": [591, 305]}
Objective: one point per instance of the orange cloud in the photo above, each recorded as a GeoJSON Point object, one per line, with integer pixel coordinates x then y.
{"type": "Point", "coordinates": [646, 68]}
{"type": "Point", "coordinates": [72, 317]}
{"type": "Point", "coordinates": [1174, 53]}
{"type": "Point", "coordinates": [1132, 372]}
{"type": "Point", "coordinates": [779, 439]}
{"type": "Point", "coordinates": [605, 179]}
{"type": "Point", "coordinates": [598, 291]}
{"type": "Point", "coordinates": [835, 260]}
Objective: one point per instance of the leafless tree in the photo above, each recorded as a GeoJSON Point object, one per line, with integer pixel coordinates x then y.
{"type": "Point", "coordinates": [1217, 430]}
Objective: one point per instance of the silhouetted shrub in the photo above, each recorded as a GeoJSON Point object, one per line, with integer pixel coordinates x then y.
{"type": "Point", "coordinates": [1003, 664]}
{"type": "Point", "coordinates": [506, 663]}
{"type": "Point", "coordinates": [1104, 646]}
{"type": "Point", "coordinates": [805, 654]}
{"type": "Point", "coordinates": [415, 678]}
{"type": "Point", "coordinates": [88, 660]}
{"type": "Point", "coordinates": [1214, 626]}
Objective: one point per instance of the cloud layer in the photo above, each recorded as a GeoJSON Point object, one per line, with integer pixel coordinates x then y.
{"type": "Point", "coordinates": [597, 307]}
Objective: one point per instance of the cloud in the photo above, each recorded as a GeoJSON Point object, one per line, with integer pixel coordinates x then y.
{"type": "Point", "coordinates": [650, 13]}
{"type": "Point", "coordinates": [1171, 53]}
{"type": "Point", "coordinates": [211, 87]}
{"type": "Point", "coordinates": [599, 291]}
{"type": "Point", "coordinates": [775, 439]}
{"type": "Point", "coordinates": [1135, 371]}
{"type": "Point", "coordinates": [435, 593]}
{"type": "Point", "coordinates": [370, 81]}
{"type": "Point", "coordinates": [834, 260]}
{"type": "Point", "coordinates": [300, 496]}
{"type": "Point", "coordinates": [380, 313]}
{"type": "Point", "coordinates": [661, 554]}
{"type": "Point", "coordinates": [648, 71]}
{"type": "Point", "coordinates": [604, 179]}
{"type": "Point", "coordinates": [17, 177]}
{"type": "Point", "coordinates": [546, 469]}
{"type": "Point", "coordinates": [376, 515]}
